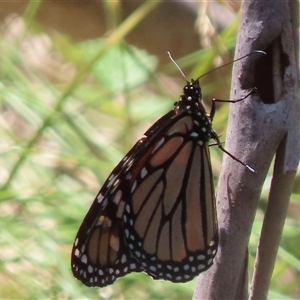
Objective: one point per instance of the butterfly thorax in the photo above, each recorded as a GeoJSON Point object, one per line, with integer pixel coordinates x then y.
{"type": "Point", "coordinates": [190, 103]}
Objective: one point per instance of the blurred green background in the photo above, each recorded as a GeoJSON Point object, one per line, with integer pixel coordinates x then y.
{"type": "Point", "coordinates": [79, 83]}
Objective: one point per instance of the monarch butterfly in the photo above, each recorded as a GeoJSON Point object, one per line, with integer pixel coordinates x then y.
{"type": "Point", "coordinates": [156, 211]}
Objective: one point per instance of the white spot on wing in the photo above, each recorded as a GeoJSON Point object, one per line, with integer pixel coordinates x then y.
{"type": "Point", "coordinates": [120, 210]}
{"type": "Point", "coordinates": [84, 259]}
{"type": "Point", "coordinates": [132, 266]}
{"type": "Point", "coordinates": [152, 268]}
{"type": "Point", "coordinates": [111, 179]}
{"type": "Point", "coordinates": [133, 186]}
{"type": "Point", "coordinates": [118, 197]}
{"type": "Point", "coordinates": [100, 198]}
{"type": "Point", "coordinates": [144, 172]}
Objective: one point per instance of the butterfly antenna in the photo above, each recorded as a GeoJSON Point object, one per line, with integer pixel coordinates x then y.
{"type": "Point", "coordinates": [240, 58]}
{"type": "Point", "coordinates": [175, 63]}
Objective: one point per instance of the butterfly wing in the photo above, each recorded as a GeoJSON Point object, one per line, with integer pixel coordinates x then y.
{"type": "Point", "coordinates": [156, 211]}
{"type": "Point", "coordinates": [170, 216]}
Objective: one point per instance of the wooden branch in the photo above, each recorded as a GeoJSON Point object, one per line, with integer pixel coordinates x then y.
{"type": "Point", "coordinates": [259, 127]}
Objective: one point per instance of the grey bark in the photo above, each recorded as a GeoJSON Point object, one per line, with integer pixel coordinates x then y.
{"type": "Point", "coordinates": [260, 128]}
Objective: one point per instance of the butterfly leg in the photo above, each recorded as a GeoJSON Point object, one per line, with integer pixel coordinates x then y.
{"type": "Point", "coordinates": [214, 100]}
{"type": "Point", "coordinates": [219, 144]}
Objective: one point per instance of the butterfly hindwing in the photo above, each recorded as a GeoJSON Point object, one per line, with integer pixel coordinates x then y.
{"type": "Point", "coordinates": [170, 217]}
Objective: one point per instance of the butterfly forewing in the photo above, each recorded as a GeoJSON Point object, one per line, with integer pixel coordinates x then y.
{"type": "Point", "coordinates": [156, 211]}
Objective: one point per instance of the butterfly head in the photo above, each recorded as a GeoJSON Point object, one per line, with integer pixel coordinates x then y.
{"type": "Point", "coordinates": [191, 97]}
{"type": "Point", "coordinates": [192, 89]}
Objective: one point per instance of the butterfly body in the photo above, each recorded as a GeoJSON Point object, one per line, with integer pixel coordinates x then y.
{"type": "Point", "coordinates": [156, 211]}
